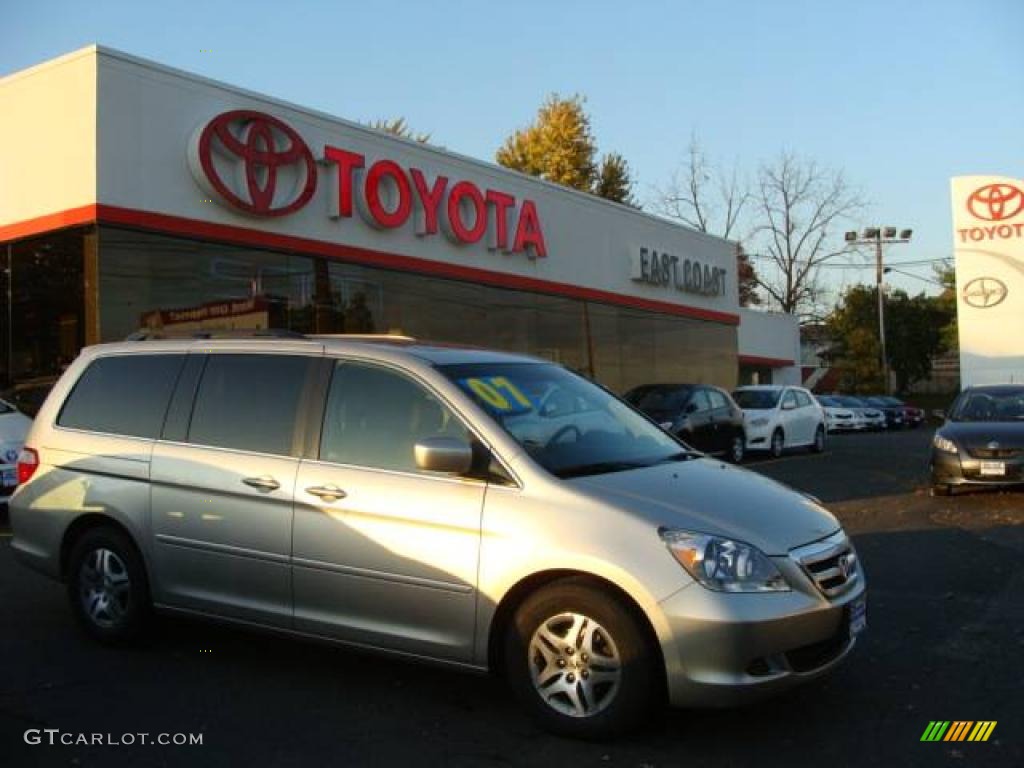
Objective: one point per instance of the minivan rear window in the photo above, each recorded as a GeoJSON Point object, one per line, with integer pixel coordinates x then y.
{"type": "Point", "coordinates": [249, 402]}
{"type": "Point", "coordinates": [122, 395]}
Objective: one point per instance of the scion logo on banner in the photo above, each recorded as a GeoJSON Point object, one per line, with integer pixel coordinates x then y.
{"type": "Point", "coordinates": [258, 164]}
{"type": "Point", "coordinates": [255, 162]}
{"type": "Point", "coordinates": [984, 292]}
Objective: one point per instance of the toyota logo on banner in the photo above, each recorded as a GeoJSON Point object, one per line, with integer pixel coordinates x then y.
{"type": "Point", "coordinates": [253, 162]}
{"type": "Point", "coordinates": [995, 202]}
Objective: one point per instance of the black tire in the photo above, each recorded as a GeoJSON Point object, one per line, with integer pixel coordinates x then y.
{"type": "Point", "coordinates": [738, 448]}
{"type": "Point", "coordinates": [628, 701]}
{"type": "Point", "coordinates": [100, 551]}
{"type": "Point", "coordinates": [819, 440]}
{"type": "Point", "coordinates": [778, 444]}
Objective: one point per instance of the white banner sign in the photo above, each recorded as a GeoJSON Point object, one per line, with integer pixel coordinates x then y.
{"type": "Point", "coordinates": [988, 238]}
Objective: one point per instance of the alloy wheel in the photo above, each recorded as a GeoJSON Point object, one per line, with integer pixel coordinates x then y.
{"type": "Point", "coordinates": [574, 665]}
{"type": "Point", "coordinates": [104, 588]}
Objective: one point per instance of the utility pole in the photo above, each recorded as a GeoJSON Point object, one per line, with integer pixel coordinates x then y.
{"type": "Point", "coordinates": [879, 236]}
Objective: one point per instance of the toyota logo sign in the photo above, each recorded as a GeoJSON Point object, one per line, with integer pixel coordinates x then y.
{"type": "Point", "coordinates": [984, 292]}
{"type": "Point", "coordinates": [995, 202]}
{"type": "Point", "coordinates": [254, 162]}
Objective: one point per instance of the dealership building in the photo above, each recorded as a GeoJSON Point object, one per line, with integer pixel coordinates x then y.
{"type": "Point", "coordinates": [138, 197]}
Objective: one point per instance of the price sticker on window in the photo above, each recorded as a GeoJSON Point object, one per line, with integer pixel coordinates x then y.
{"type": "Point", "coordinates": [499, 393]}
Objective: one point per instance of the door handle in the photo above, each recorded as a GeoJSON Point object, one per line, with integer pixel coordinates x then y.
{"type": "Point", "coordinates": [262, 483]}
{"type": "Point", "coordinates": [326, 492]}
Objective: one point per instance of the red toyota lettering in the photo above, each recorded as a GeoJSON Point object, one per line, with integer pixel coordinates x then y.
{"type": "Point", "coordinates": [346, 162]}
{"type": "Point", "coordinates": [499, 203]}
{"type": "Point", "coordinates": [528, 231]}
{"type": "Point", "coordinates": [387, 172]}
{"type": "Point", "coordinates": [466, 190]}
{"type": "Point", "coordinates": [430, 201]}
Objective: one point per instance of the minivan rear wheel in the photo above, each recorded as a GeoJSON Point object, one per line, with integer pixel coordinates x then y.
{"type": "Point", "coordinates": [580, 661]}
{"type": "Point", "coordinates": [107, 586]}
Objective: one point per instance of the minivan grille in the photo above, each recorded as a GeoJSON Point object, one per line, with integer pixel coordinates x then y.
{"type": "Point", "coordinates": [832, 564]}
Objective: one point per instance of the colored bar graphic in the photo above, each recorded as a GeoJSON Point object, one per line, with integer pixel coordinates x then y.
{"type": "Point", "coordinates": [958, 730]}
{"type": "Point", "coordinates": [935, 730]}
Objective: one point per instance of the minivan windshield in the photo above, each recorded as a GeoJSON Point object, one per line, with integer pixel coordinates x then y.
{"type": "Point", "coordinates": [569, 425]}
{"type": "Point", "coordinates": [997, 405]}
{"type": "Point", "coordinates": [757, 399]}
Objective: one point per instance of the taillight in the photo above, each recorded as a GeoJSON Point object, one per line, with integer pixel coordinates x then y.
{"type": "Point", "coordinates": [28, 463]}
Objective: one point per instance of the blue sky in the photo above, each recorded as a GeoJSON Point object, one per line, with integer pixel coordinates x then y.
{"type": "Point", "coordinates": [899, 95]}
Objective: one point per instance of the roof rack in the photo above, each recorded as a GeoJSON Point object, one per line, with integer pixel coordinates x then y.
{"type": "Point", "coordinates": [394, 338]}
{"type": "Point", "coordinates": [213, 333]}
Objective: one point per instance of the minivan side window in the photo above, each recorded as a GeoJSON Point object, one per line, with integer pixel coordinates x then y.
{"type": "Point", "coordinates": [375, 417]}
{"type": "Point", "coordinates": [249, 402]}
{"type": "Point", "coordinates": [122, 395]}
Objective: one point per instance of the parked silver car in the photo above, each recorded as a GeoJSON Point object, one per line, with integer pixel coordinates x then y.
{"type": "Point", "coordinates": [484, 510]}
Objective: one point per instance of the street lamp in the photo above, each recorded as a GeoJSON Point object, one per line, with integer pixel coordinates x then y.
{"type": "Point", "coordinates": [879, 236]}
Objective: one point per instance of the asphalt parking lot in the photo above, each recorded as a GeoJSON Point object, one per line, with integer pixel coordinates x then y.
{"type": "Point", "coordinates": [945, 642]}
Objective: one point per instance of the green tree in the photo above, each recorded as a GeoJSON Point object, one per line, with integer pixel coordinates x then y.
{"type": "Point", "coordinates": [614, 180]}
{"type": "Point", "coordinates": [397, 126]}
{"type": "Point", "coordinates": [914, 337]}
{"type": "Point", "coordinates": [946, 301]}
{"type": "Point", "coordinates": [746, 279]}
{"type": "Point", "coordinates": [559, 146]}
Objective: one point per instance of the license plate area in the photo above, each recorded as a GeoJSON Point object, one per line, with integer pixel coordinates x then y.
{"type": "Point", "coordinates": [9, 478]}
{"type": "Point", "coordinates": [993, 468]}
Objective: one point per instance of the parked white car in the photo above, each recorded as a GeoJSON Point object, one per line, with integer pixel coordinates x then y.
{"type": "Point", "coordinates": [874, 417]}
{"type": "Point", "coordinates": [14, 426]}
{"type": "Point", "coordinates": [779, 417]}
{"type": "Point", "coordinates": [839, 417]}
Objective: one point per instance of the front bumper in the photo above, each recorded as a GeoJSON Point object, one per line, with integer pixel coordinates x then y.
{"type": "Point", "coordinates": [727, 648]}
{"type": "Point", "coordinates": [962, 469]}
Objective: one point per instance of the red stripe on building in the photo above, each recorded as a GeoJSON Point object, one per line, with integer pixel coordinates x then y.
{"type": "Point", "coordinates": [770, 362]}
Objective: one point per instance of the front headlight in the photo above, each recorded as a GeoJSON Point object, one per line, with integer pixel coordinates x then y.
{"type": "Point", "coordinates": [944, 444]}
{"type": "Point", "coordinates": [760, 421]}
{"type": "Point", "coordinates": [724, 565]}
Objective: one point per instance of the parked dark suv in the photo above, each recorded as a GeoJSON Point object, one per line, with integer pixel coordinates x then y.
{"type": "Point", "coordinates": [706, 417]}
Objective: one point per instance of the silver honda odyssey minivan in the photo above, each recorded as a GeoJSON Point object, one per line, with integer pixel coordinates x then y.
{"type": "Point", "coordinates": [479, 509]}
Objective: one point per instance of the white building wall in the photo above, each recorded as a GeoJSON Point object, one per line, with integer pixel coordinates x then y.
{"type": "Point", "coordinates": [771, 336]}
{"type": "Point", "coordinates": [48, 139]}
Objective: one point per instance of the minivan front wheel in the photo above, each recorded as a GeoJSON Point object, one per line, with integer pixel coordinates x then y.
{"type": "Point", "coordinates": [107, 586]}
{"type": "Point", "coordinates": [578, 658]}
{"type": "Point", "coordinates": [778, 444]}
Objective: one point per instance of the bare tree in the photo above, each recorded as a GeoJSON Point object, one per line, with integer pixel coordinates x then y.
{"type": "Point", "coordinates": [703, 196]}
{"type": "Point", "coordinates": [797, 206]}
{"type": "Point", "coordinates": [709, 199]}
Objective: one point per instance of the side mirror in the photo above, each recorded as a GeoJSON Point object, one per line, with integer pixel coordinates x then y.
{"type": "Point", "coordinates": [788, 405]}
{"type": "Point", "coordinates": [690, 408]}
{"type": "Point", "coordinates": [444, 454]}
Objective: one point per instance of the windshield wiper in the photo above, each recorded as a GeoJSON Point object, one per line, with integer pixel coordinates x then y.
{"type": "Point", "coordinates": [681, 456]}
{"type": "Point", "coordinates": [598, 468]}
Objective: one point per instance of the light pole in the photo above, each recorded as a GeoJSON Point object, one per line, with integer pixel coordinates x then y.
{"type": "Point", "coordinates": [879, 236]}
